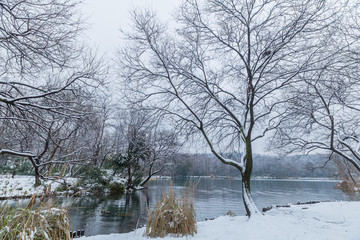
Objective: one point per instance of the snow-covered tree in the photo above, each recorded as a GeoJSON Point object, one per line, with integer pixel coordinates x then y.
{"type": "Point", "coordinates": [46, 77]}
{"type": "Point", "coordinates": [143, 147]}
{"type": "Point", "coordinates": [324, 113]}
{"type": "Point", "coordinates": [220, 72]}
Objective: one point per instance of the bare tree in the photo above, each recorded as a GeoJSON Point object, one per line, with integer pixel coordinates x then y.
{"type": "Point", "coordinates": [220, 73]}
{"type": "Point", "coordinates": [143, 147]}
{"type": "Point", "coordinates": [46, 80]}
{"type": "Point", "coordinates": [38, 32]}
{"type": "Point", "coordinates": [132, 148]}
{"type": "Point", "coordinates": [164, 146]}
{"type": "Point", "coordinates": [324, 113]}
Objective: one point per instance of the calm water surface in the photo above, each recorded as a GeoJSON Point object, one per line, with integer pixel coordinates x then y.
{"type": "Point", "coordinates": [213, 198]}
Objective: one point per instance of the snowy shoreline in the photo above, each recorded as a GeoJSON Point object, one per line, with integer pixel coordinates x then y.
{"type": "Point", "coordinates": [20, 185]}
{"type": "Point", "coordinates": [262, 178]}
{"type": "Point", "coordinates": [326, 220]}
{"type": "Point", "coordinates": [321, 221]}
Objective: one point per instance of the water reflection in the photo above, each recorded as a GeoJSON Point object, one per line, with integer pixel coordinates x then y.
{"type": "Point", "coordinates": [110, 214]}
{"type": "Point", "coordinates": [213, 198]}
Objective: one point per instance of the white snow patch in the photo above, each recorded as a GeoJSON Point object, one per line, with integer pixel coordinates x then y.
{"type": "Point", "coordinates": [24, 185]}
{"type": "Point", "coordinates": [323, 221]}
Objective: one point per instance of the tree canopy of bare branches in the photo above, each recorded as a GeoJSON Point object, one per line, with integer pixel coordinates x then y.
{"type": "Point", "coordinates": [47, 79]}
{"type": "Point", "coordinates": [143, 146]}
{"type": "Point", "coordinates": [324, 113]}
{"type": "Point", "coordinates": [221, 72]}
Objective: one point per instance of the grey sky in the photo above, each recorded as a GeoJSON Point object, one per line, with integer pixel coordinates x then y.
{"type": "Point", "coordinates": [108, 16]}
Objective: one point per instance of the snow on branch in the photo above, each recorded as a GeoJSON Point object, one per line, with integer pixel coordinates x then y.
{"type": "Point", "coordinates": [16, 153]}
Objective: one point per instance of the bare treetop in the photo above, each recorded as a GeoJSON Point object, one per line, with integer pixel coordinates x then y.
{"type": "Point", "coordinates": [48, 80]}
{"type": "Point", "coordinates": [222, 72]}
{"type": "Point", "coordinates": [34, 33]}
{"type": "Point", "coordinates": [323, 114]}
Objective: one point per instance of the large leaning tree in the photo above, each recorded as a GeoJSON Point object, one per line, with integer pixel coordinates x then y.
{"type": "Point", "coordinates": [46, 79]}
{"type": "Point", "coordinates": [324, 114]}
{"type": "Point", "coordinates": [220, 72]}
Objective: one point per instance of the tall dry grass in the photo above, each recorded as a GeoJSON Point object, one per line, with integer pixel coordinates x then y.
{"type": "Point", "coordinates": [35, 221]}
{"type": "Point", "coordinates": [172, 215]}
{"type": "Point", "coordinates": [348, 186]}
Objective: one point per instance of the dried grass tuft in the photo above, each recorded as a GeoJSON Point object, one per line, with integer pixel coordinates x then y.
{"type": "Point", "coordinates": [230, 214]}
{"type": "Point", "coordinates": [348, 186]}
{"type": "Point", "coordinates": [172, 215]}
{"type": "Point", "coordinates": [35, 223]}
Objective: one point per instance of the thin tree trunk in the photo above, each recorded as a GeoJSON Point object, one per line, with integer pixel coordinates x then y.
{"type": "Point", "coordinates": [250, 207]}
{"type": "Point", "coordinates": [351, 176]}
{"type": "Point", "coordinates": [37, 172]}
{"type": "Point", "coordinates": [129, 183]}
{"type": "Point", "coordinates": [249, 204]}
{"type": "Point", "coordinates": [145, 181]}
{"type": "Point", "coordinates": [148, 177]}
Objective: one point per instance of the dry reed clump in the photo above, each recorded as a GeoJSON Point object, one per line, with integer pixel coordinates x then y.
{"type": "Point", "coordinates": [230, 214]}
{"type": "Point", "coordinates": [348, 186]}
{"type": "Point", "coordinates": [172, 215]}
{"type": "Point", "coordinates": [35, 223]}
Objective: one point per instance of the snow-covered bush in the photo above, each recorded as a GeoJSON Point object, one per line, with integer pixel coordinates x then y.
{"type": "Point", "coordinates": [33, 223]}
{"type": "Point", "coordinates": [94, 180]}
{"type": "Point", "coordinates": [172, 215]}
{"type": "Point", "coordinates": [18, 167]}
{"type": "Point", "coordinates": [116, 188]}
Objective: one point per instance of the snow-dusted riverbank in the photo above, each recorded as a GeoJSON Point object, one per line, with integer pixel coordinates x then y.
{"type": "Point", "coordinates": [322, 221]}
{"type": "Point", "coordinates": [23, 185]}
{"type": "Point", "coordinates": [332, 220]}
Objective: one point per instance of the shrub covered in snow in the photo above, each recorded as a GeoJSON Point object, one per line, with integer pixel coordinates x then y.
{"type": "Point", "coordinates": [99, 181]}
{"type": "Point", "coordinates": [94, 180]}
{"type": "Point", "coordinates": [16, 166]}
{"type": "Point", "coordinates": [172, 215]}
{"type": "Point", "coordinates": [33, 223]}
{"type": "Point", "coordinates": [116, 188]}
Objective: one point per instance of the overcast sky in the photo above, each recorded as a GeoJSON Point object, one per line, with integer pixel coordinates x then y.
{"type": "Point", "coordinates": [108, 16]}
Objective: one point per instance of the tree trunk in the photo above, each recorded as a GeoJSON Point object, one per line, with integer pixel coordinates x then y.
{"type": "Point", "coordinates": [37, 178]}
{"type": "Point", "coordinates": [129, 182]}
{"type": "Point", "coordinates": [37, 173]}
{"type": "Point", "coordinates": [149, 175]}
{"type": "Point", "coordinates": [145, 181]}
{"type": "Point", "coordinates": [249, 204]}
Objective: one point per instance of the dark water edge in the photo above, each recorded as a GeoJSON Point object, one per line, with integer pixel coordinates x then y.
{"type": "Point", "coordinates": [212, 198]}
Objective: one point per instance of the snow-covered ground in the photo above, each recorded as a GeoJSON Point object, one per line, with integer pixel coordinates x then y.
{"type": "Point", "coordinates": [18, 185]}
{"type": "Point", "coordinates": [24, 185]}
{"type": "Point", "coordinates": [322, 221]}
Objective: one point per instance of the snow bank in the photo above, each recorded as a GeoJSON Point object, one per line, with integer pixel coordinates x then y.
{"type": "Point", "coordinates": [322, 221]}
{"type": "Point", "coordinates": [24, 185]}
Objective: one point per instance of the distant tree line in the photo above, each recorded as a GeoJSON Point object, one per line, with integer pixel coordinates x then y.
{"type": "Point", "coordinates": [312, 166]}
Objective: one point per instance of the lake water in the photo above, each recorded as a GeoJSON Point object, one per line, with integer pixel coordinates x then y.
{"type": "Point", "coordinates": [212, 198]}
